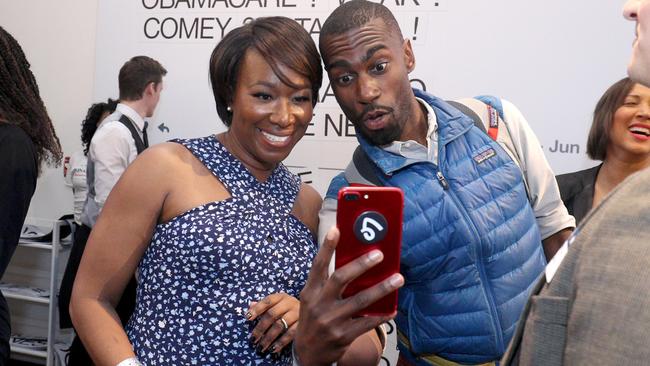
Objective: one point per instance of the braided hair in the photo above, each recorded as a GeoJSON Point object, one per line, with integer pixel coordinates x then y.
{"type": "Point", "coordinates": [91, 122]}
{"type": "Point", "coordinates": [21, 103]}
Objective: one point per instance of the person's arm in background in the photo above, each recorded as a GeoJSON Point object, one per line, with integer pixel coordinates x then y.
{"type": "Point", "coordinates": [555, 223]}
{"type": "Point", "coordinates": [112, 150]}
{"type": "Point", "coordinates": [17, 185]}
{"type": "Point", "coordinates": [554, 242]}
{"type": "Point", "coordinates": [18, 175]}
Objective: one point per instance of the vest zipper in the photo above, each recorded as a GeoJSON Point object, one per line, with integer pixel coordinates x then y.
{"type": "Point", "coordinates": [442, 180]}
{"type": "Point", "coordinates": [479, 260]}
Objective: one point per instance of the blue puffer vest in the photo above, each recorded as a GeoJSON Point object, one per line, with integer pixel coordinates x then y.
{"type": "Point", "coordinates": [471, 248]}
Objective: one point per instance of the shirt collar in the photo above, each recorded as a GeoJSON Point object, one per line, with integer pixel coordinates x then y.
{"type": "Point", "coordinates": [132, 114]}
{"type": "Point", "coordinates": [397, 146]}
{"type": "Point", "coordinates": [431, 117]}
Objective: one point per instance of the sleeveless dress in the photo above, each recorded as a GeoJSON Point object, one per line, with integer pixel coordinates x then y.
{"type": "Point", "coordinates": [204, 267]}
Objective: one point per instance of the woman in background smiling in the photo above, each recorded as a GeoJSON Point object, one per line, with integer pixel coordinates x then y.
{"type": "Point", "coordinates": [620, 138]}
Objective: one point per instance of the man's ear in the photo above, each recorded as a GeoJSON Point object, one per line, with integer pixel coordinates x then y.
{"type": "Point", "coordinates": [150, 89]}
{"type": "Point", "coordinates": [409, 56]}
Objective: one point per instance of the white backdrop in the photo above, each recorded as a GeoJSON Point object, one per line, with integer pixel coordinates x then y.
{"type": "Point", "coordinates": [552, 58]}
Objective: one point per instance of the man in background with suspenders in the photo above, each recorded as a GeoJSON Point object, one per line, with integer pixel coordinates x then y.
{"type": "Point", "coordinates": [117, 142]}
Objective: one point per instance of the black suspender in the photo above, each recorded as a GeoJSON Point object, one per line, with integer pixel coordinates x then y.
{"type": "Point", "coordinates": [139, 144]}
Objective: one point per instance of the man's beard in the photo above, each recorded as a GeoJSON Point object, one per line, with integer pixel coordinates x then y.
{"type": "Point", "coordinates": [383, 136]}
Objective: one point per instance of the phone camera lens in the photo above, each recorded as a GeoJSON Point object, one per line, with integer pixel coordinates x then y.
{"type": "Point", "coordinates": [351, 196]}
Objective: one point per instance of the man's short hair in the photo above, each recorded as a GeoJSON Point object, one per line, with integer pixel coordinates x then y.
{"type": "Point", "coordinates": [354, 14]}
{"type": "Point", "coordinates": [601, 126]}
{"type": "Point", "coordinates": [136, 74]}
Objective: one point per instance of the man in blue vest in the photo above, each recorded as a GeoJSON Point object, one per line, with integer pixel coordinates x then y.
{"type": "Point", "coordinates": [472, 238]}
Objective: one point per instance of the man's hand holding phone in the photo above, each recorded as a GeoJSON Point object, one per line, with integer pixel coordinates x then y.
{"type": "Point", "coordinates": [329, 323]}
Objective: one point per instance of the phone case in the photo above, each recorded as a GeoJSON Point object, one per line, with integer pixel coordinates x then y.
{"type": "Point", "coordinates": [370, 218]}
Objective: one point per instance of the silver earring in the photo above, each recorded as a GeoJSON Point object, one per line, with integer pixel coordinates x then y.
{"type": "Point", "coordinates": [229, 109]}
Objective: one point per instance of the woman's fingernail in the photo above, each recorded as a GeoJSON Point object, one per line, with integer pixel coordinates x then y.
{"type": "Point", "coordinates": [272, 349]}
{"type": "Point", "coordinates": [375, 256]}
{"type": "Point", "coordinates": [396, 280]}
{"type": "Point", "coordinates": [249, 315]}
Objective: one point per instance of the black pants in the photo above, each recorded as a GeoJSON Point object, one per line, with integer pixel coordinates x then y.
{"type": "Point", "coordinates": [81, 234]}
{"type": "Point", "coordinates": [5, 331]}
{"type": "Point", "coordinates": [124, 309]}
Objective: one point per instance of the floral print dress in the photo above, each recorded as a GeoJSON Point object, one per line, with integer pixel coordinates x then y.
{"type": "Point", "coordinates": [204, 267]}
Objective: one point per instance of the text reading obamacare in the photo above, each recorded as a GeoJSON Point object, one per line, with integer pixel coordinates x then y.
{"type": "Point", "coordinates": [260, 4]}
{"type": "Point", "coordinates": [215, 4]}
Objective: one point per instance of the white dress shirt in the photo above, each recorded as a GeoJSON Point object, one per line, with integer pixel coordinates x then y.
{"type": "Point", "coordinates": [112, 150]}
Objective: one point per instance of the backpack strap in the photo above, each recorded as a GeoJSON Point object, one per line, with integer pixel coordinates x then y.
{"type": "Point", "coordinates": [495, 111]}
{"type": "Point", "coordinates": [361, 171]}
{"type": "Point", "coordinates": [469, 112]}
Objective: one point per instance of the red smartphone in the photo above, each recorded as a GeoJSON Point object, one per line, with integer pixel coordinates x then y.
{"type": "Point", "coordinates": [370, 218]}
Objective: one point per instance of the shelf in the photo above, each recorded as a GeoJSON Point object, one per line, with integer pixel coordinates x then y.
{"type": "Point", "coordinates": [13, 295]}
{"type": "Point", "coordinates": [47, 245]}
{"type": "Point", "coordinates": [33, 244]}
{"type": "Point", "coordinates": [28, 351]}
{"type": "Point", "coordinates": [35, 268]}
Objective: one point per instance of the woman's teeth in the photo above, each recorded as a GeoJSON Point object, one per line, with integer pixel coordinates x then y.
{"type": "Point", "coordinates": [274, 138]}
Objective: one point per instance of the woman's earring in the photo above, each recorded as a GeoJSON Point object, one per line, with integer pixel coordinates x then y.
{"type": "Point", "coordinates": [229, 109]}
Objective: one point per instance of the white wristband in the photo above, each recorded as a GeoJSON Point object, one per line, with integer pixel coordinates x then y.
{"type": "Point", "coordinates": [131, 361]}
{"type": "Point", "coordinates": [296, 362]}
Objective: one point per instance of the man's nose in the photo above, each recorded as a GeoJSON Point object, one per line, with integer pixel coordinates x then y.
{"type": "Point", "coordinates": [630, 9]}
{"type": "Point", "coordinates": [368, 89]}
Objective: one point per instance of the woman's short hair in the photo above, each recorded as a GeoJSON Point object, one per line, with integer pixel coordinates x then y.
{"type": "Point", "coordinates": [604, 112]}
{"type": "Point", "coordinates": [280, 41]}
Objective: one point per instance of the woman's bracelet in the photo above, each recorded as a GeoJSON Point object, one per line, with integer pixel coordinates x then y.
{"type": "Point", "coordinates": [131, 361]}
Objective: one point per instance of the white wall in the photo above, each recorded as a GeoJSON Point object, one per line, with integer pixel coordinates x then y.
{"type": "Point", "coordinates": [552, 58]}
{"type": "Point", "coordinates": [58, 38]}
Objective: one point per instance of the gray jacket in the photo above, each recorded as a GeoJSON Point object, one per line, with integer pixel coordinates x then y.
{"type": "Point", "coordinates": [596, 309]}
